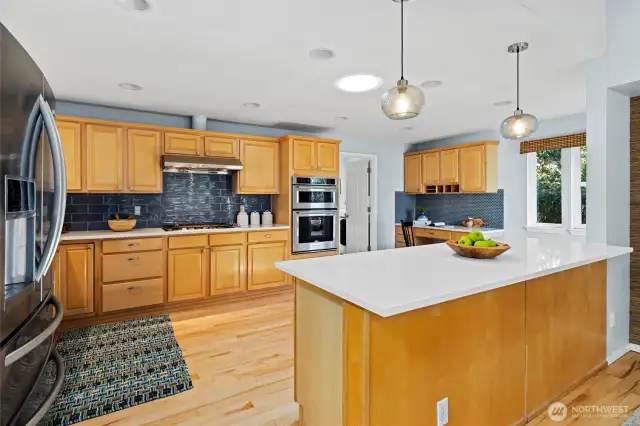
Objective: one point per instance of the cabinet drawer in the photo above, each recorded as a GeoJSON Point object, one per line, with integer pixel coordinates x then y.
{"type": "Point", "coordinates": [131, 266]}
{"type": "Point", "coordinates": [228, 239]}
{"type": "Point", "coordinates": [132, 294]}
{"type": "Point", "coordinates": [268, 236]}
{"type": "Point", "coordinates": [188, 242]}
{"type": "Point", "coordinates": [428, 233]}
{"type": "Point", "coordinates": [399, 230]}
{"type": "Point", "coordinates": [129, 245]}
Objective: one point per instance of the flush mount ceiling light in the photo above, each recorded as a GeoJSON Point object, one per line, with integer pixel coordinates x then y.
{"type": "Point", "coordinates": [251, 105]}
{"type": "Point", "coordinates": [402, 101]}
{"type": "Point", "coordinates": [502, 103]}
{"type": "Point", "coordinates": [322, 54]}
{"type": "Point", "coordinates": [139, 5]}
{"type": "Point", "coordinates": [519, 125]}
{"type": "Point", "coordinates": [431, 84]}
{"type": "Point", "coordinates": [129, 86]}
{"type": "Point", "coordinates": [359, 83]}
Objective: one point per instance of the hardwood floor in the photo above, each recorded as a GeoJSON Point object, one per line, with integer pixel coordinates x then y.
{"type": "Point", "coordinates": [240, 357]}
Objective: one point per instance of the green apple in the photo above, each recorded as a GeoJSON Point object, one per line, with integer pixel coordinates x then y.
{"type": "Point", "coordinates": [465, 241]}
{"type": "Point", "coordinates": [476, 236]}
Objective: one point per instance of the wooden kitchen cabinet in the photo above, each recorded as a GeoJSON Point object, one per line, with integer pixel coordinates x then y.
{"type": "Point", "coordinates": [449, 166]}
{"type": "Point", "coordinates": [261, 269]}
{"type": "Point", "coordinates": [187, 274]}
{"type": "Point", "coordinates": [479, 169]}
{"type": "Point", "coordinates": [221, 146]}
{"type": "Point", "coordinates": [413, 174]}
{"type": "Point", "coordinates": [104, 158]}
{"type": "Point", "coordinates": [431, 168]}
{"type": "Point", "coordinates": [71, 137]}
{"type": "Point", "coordinates": [228, 269]}
{"type": "Point", "coordinates": [144, 161]}
{"type": "Point", "coordinates": [182, 143]}
{"type": "Point", "coordinates": [260, 173]}
{"type": "Point", "coordinates": [74, 275]}
{"type": "Point", "coordinates": [315, 157]}
{"type": "Point", "coordinates": [328, 158]}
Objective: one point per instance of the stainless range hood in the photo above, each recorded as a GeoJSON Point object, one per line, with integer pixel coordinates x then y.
{"type": "Point", "coordinates": [202, 165]}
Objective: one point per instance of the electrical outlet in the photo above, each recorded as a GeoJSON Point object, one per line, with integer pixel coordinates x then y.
{"type": "Point", "coordinates": [442, 409]}
{"type": "Point", "coordinates": [612, 319]}
{"type": "Point", "coordinates": [136, 210]}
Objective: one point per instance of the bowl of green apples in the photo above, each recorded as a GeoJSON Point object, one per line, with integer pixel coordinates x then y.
{"type": "Point", "coordinates": [476, 246]}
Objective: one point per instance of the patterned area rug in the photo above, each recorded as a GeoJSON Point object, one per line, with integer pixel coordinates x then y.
{"type": "Point", "coordinates": [634, 420]}
{"type": "Point", "coordinates": [115, 366]}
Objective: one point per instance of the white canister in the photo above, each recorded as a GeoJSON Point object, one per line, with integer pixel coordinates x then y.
{"type": "Point", "coordinates": [243, 218]}
{"type": "Point", "coordinates": [255, 219]}
{"type": "Point", "coordinates": [267, 218]}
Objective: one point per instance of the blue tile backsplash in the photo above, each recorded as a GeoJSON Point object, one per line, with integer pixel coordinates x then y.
{"type": "Point", "coordinates": [452, 208]}
{"type": "Point", "coordinates": [186, 198]}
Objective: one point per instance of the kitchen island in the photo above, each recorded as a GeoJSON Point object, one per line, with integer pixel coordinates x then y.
{"type": "Point", "coordinates": [381, 337]}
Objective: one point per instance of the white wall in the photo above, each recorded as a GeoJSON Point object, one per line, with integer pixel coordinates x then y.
{"type": "Point", "coordinates": [610, 80]}
{"type": "Point", "coordinates": [512, 166]}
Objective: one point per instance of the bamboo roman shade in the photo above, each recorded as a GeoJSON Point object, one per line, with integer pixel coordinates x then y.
{"type": "Point", "coordinates": [558, 142]}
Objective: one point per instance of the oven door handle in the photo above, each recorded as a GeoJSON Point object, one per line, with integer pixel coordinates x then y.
{"type": "Point", "coordinates": [316, 189]}
{"type": "Point", "coordinates": [32, 344]}
{"type": "Point", "coordinates": [57, 386]}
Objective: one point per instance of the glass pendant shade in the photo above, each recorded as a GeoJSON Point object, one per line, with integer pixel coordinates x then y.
{"type": "Point", "coordinates": [402, 101]}
{"type": "Point", "coordinates": [519, 125]}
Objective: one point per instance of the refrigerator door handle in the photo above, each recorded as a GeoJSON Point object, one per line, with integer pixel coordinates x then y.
{"type": "Point", "coordinates": [57, 386]}
{"type": "Point", "coordinates": [60, 189]}
{"type": "Point", "coordinates": [32, 344]}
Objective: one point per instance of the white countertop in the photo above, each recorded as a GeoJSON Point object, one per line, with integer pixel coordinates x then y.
{"type": "Point", "coordinates": [488, 232]}
{"type": "Point", "coordinates": [158, 232]}
{"type": "Point", "coordinates": [391, 282]}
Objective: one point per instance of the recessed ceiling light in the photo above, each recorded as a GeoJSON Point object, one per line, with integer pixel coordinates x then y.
{"type": "Point", "coordinates": [502, 103]}
{"type": "Point", "coordinates": [341, 118]}
{"type": "Point", "coordinates": [359, 83]}
{"type": "Point", "coordinates": [138, 5]}
{"type": "Point", "coordinates": [322, 53]}
{"type": "Point", "coordinates": [251, 105]}
{"type": "Point", "coordinates": [431, 84]}
{"type": "Point", "coordinates": [129, 86]}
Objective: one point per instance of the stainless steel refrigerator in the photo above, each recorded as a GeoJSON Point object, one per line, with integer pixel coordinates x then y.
{"type": "Point", "coordinates": [32, 204]}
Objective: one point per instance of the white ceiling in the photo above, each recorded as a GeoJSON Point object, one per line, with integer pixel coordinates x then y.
{"type": "Point", "coordinates": [209, 57]}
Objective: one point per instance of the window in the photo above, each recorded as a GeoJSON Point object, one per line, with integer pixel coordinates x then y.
{"type": "Point", "coordinates": [557, 190]}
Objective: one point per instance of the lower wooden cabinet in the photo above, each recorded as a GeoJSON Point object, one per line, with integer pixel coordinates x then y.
{"type": "Point", "coordinates": [228, 269]}
{"type": "Point", "coordinates": [187, 274]}
{"type": "Point", "coordinates": [74, 279]}
{"type": "Point", "coordinates": [134, 294]}
{"type": "Point", "coordinates": [261, 259]}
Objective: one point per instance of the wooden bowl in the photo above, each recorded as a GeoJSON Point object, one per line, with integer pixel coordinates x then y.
{"type": "Point", "coordinates": [122, 225]}
{"type": "Point", "coordinates": [478, 252]}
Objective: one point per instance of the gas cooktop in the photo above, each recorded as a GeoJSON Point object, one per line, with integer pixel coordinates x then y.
{"type": "Point", "coordinates": [193, 226]}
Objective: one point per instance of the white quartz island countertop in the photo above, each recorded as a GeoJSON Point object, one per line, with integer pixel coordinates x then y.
{"type": "Point", "coordinates": [159, 232]}
{"type": "Point", "coordinates": [391, 282]}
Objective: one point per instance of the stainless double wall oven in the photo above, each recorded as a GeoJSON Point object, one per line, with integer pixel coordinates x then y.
{"type": "Point", "coordinates": [315, 214]}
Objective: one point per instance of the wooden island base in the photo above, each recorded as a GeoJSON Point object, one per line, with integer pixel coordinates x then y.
{"type": "Point", "coordinates": [500, 357]}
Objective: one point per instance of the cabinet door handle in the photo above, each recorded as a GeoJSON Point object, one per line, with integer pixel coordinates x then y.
{"type": "Point", "coordinates": [267, 235]}
{"type": "Point", "coordinates": [90, 247]}
{"type": "Point", "coordinates": [133, 244]}
{"type": "Point", "coordinates": [133, 258]}
{"type": "Point", "coordinates": [133, 287]}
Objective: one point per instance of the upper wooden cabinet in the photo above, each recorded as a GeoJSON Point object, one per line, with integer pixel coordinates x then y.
{"type": "Point", "coordinates": [471, 167]}
{"type": "Point", "coordinates": [187, 274]}
{"type": "Point", "coordinates": [144, 156]}
{"type": "Point", "coordinates": [259, 175]}
{"type": "Point", "coordinates": [431, 168]}
{"type": "Point", "coordinates": [104, 158]}
{"type": "Point", "coordinates": [71, 136]}
{"type": "Point", "coordinates": [449, 166]}
{"type": "Point", "coordinates": [183, 143]}
{"type": "Point", "coordinates": [413, 174]}
{"type": "Point", "coordinates": [74, 276]}
{"type": "Point", "coordinates": [221, 146]}
{"type": "Point", "coordinates": [315, 157]}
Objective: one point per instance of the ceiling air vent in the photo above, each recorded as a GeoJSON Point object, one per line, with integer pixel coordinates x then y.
{"type": "Point", "coordinates": [298, 127]}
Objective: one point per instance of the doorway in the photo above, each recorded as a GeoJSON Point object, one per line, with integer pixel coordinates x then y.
{"type": "Point", "coordinates": [358, 202]}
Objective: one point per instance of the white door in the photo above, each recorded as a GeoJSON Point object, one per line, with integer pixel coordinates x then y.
{"type": "Point", "coordinates": [358, 212]}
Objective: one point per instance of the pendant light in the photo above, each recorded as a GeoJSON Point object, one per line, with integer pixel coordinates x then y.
{"type": "Point", "coordinates": [402, 101]}
{"type": "Point", "coordinates": [519, 125]}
